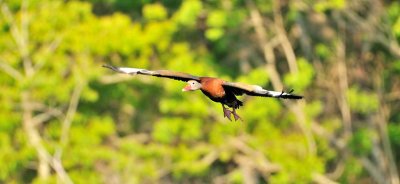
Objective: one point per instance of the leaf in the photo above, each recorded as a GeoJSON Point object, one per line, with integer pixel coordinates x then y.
{"type": "Point", "coordinates": [214, 34]}
{"type": "Point", "coordinates": [216, 19]}
{"type": "Point", "coordinates": [362, 101]}
{"type": "Point", "coordinates": [154, 12]}
{"type": "Point", "coordinates": [361, 142]}
{"type": "Point", "coordinates": [303, 78]}
{"type": "Point", "coordinates": [187, 14]}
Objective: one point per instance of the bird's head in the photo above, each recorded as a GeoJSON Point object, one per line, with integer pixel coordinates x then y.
{"type": "Point", "coordinates": [192, 85]}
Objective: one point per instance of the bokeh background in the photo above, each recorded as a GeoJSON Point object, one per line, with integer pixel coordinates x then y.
{"type": "Point", "coordinates": [65, 119]}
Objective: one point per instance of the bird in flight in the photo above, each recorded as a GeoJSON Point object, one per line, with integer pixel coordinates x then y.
{"type": "Point", "coordinates": [216, 89]}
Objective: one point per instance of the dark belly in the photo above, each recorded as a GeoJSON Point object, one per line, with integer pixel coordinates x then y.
{"type": "Point", "coordinates": [215, 99]}
{"type": "Point", "coordinates": [228, 99]}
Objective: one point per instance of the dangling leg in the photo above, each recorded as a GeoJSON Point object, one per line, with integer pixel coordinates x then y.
{"type": "Point", "coordinates": [236, 116]}
{"type": "Point", "coordinates": [227, 113]}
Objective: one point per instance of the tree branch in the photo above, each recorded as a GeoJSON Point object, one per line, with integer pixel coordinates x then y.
{"type": "Point", "coordinates": [273, 73]}
{"type": "Point", "coordinates": [343, 88]}
{"type": "Point", "coordinates": [20, 36]}
{"type": "Point", "coordinates": [47, 115]}
{"type": "Point", "coordinates": [382, 121]}
{"type": "Point", "coordinates": [319, 178]}
{"type": "Point", "coordinates": [370, 167]}
{"type": "Point", "coordinates": [284, 40]}
{"type": "Point", "coordinates": [66, 125]}
{"type": "Point", "coordinates": [11, 71]}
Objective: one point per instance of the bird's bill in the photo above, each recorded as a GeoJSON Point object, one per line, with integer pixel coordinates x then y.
{"type": "Point", "coordinates": [187, 88]}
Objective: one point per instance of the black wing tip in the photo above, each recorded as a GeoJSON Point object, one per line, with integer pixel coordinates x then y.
{"type": "Point", "coordinates": [289, 95]}
{"type": "Point", "coordinates": [294, 97]}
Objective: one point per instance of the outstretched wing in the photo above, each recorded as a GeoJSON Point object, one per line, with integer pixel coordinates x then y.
{"type": "Point", "coordinates": [253, 90]}
{"type": "Point", "coordinates": [158, 73]}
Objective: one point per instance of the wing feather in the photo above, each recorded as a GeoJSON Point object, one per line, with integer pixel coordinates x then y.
{"type": "Point", "coordinates": [157, 73]}
{"type": "Point", "coordinates": [254, 90]}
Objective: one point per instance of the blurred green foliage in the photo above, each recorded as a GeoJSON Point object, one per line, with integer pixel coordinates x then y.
{"type": "Point", "coordinates": [145, 130]}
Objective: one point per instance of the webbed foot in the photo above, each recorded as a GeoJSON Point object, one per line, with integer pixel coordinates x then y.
{"type": "Point", "coordinates": [227, 113]}
{"type": "Point", "coordinates": [235, 115]}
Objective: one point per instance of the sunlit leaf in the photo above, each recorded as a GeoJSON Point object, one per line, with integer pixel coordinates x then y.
{"type": "Point", "coordinates": [154, 12]}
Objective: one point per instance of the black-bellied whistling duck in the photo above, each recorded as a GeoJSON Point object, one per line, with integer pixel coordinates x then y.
{"type": "Point", "coordinates": [216, 89]}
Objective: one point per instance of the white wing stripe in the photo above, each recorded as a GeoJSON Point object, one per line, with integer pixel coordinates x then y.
{"type": "Point", "coordinates": [135, 71]}
{"type": "Point", "coordinates": [260, 90]}
{"type": "Point", "coordinates": [277, 94]}
{"type": "Point", "coordinates": [129, 70]}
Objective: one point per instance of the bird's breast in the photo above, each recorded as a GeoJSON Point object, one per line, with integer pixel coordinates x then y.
{"type": "Point", "coordinates": [213, 87]}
